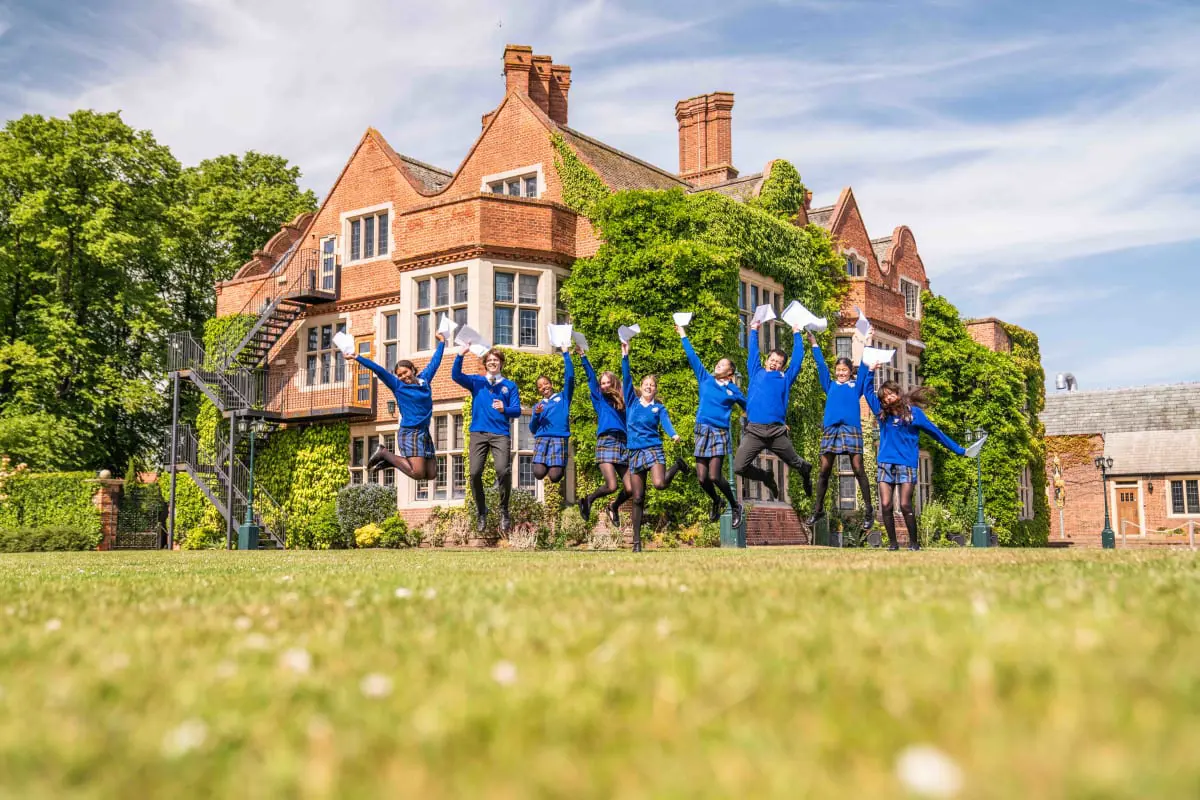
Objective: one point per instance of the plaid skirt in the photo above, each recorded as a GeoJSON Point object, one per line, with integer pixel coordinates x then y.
{"type": "Point", "coordinates": [414, 443]}
{"type": "Point", "coordinates": [610, 449]}
{"type": "Point", "coordinates": [711, 441]}
{"type": "Point", "coordinates": [897, 473]}
{"type": "Point", "coordinates": [645, 458]}
{"type": "Point", "coordinates": [550, 451]}
{"type": "Point", "coordinates": [842, 439]}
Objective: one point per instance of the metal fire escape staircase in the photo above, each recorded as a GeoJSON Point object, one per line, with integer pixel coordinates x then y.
{"type": "Point", "coordinates": [235, 381]}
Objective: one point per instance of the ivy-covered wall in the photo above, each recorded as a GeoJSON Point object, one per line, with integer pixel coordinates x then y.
{"type": "Point", "coordinates": [36, 500]}
{"type": "Point", "coordinates": [1002, 393]}
{"type": "Point", "coordinates": [667, 251]}
{"type": "Point", "coordinates": [303, 468]}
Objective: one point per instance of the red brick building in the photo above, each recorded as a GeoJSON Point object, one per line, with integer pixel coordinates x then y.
{"type": "Point", "coordinates": [396, 242]}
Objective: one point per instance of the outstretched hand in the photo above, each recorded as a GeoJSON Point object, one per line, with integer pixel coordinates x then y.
{"type": "Point", "coordinates": [348, 356]}
{"type": "Point", "coordinates": [679, 329]}
{"type": "Point", "coordinates": [441, 337]}
{"type": "Point", "coordinates": [755, 325]}
{"type": "Point", "coordinates": [624, 348]}
{"type": "Point", "coordinates": [812, 339]}
{"type": "Point", "coordinates": [464, 349]}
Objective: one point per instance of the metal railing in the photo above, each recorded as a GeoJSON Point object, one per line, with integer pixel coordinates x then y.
{"type": "Point", "coordinates": [291, 395]}
{"type": "Point", "coordinates": [230, 389]}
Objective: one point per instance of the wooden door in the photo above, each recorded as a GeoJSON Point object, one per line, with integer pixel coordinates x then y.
{"type": "Point", "coordinates": [1128, 508]}
{"type": "Point", "coordinates": [363, 346]}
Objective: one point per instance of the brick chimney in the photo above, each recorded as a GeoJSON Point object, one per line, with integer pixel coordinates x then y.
{"type": "Point", "coordinates": [546, 83]}
{"type": "Point", "coordinates": [705, 138]}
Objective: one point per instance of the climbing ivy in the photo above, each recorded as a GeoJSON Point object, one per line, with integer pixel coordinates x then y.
{"type": "Point", "coordinates": [783, 193]}
{"type": "Point", "coordinates": [222, 335]}
{"type": "Point", "coordinates": [1000, 392]}
{"type": "Point", "coordinates": [666, 251]}
{"type": "Point", "coordinates": [303, 468]}
{"type": "Point", "coordinates": [582, 188]}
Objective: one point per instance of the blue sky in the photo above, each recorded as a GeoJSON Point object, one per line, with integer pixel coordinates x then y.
{"type": "Point", "coordinates": [1046, 154]}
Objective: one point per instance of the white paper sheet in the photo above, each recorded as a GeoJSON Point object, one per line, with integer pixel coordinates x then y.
{"type": "Point", "coordinates": [682, 318]}
{"type": "Point", "coordinates": [863, 326]}
{"type": "Point", "coordinates": [627, 332]}
{"type": "Point", "coordinates": [468, 335]}
{"type": "Point", "coordinates": [447, 327]}
{"type": "Point", "coordinates": [974, 449]}
{"type": "Point", "coordinates": [874, 356]}
{"type": "Point", "coordinates": [798, 316]}
{"type": "Point", "coordinates": [763, 313]}
{"type": "Point", "coordinates": [344, 342]}
{"type": "Point", "coordinates": [559, 335]}
{"type": "Point", "coordinates": [580, 341]}
{"type": "Point", "coordinates": [479, 349]}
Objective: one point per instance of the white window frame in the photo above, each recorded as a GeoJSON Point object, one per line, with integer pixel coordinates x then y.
{"type": "Point", "coordinates": [522, 453]}
{"type": "Point", "coordinates": [916, 288]}
{"type": "Point", "coordinates": [1183, 480]}
{"type": "Point", "coordinates": [847, 484]}
{"type": "Point", "coordinates": [369, 440]}
{"type": "Point", "coordinates": [1025, 494]}
{"type": "Point", "coordinates": [337, 361]}
{"type": "Point", "coordinates": [755, 492]}
{"type": "Point", "coordinates": [434, 310]}
{"type": "Point", "coordinates": [860, 265]}
{"type": "Point", "coordinates": [383, 341]}
{"type": "Point", "coordinates": [924, 480]}
{"type": "Point", "coordinates": [359, 214]}
{"type": "Point", "coordinates": [888, 372]}
{"type": "Point", "coordinates": [329, 262]}
{"type": "Point", "coordinates": [751, 289]}
{"type": "Point", "coordinates": [517, 304]}
{"type": "Point", "coordinates": [447, 451]}
{"type": "Point", "coordinates": [488, 183]}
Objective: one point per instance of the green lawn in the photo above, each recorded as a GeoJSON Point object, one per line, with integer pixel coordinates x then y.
{"type": "Point", "coordinates": [760, 673]}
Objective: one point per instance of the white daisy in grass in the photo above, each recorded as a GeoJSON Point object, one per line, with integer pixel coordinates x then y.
{"type": "Point", "coordinates": [375, 685]}
{"type": "Point", "coordinates": [243, 623]}
{"type": "Point", "coordinates": [297, 660]}
{"type": "Point", "coordinates": [926, 771]}
{"type": "Point", "coordinates": [430, 593]}
{"type": "Point", "coordinates": [504, 673]}
{"type": "Point", "coordinates": [683, 587]}
{"type": "Point", "coordinates": [53, 625]}
{"type": "Point", "coordinates": [190, 735]}
{"type": "Point", "coordinates": [403, 592]}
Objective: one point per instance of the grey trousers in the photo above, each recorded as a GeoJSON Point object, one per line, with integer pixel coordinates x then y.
{"type": "Point", "coordinates": [757, 438]}
{"type": "Point", "coordinates": [500, 448]}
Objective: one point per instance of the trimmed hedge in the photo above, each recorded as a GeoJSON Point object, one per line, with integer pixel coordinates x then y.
{"type": "Point", "coordinates": [49, 538]}
{"type": "Point", "coordinates": [52, 499]}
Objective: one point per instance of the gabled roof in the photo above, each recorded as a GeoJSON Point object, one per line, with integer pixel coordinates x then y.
{"type": "Point", "coordinates": [881, 247]}
{"type": "Point", "coordinates": [616, 168]}
{"type": "Point", "coordinates": [434, 178]}
{"type": "Point", "coordinates": [741, 188]}
{"type": "Point", "coordinates": [821, 216]}
{"type": "Point", "coordinates": [1173, 407]}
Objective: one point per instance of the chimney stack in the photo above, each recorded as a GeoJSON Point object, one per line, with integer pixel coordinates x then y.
{"type": "Point", "coordinates": [706, 138]}
{"type": "Point", "coordinates": [546, 83]}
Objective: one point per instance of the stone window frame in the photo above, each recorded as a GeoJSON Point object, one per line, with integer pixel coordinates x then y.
{"type": "Point", "coordinates": [1183, 481]}
{"type": "Point", "coordinates": [916, 314]}
{"type": "Point", "coordinates": [348, 217]}
{"type": "Point", "coordinates": [489, 183]}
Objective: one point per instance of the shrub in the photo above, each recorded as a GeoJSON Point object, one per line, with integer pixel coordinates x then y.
{"type": "Point", "coordinates": [53, 499]}
{"type": "Point", "coordinates": [323, 531]}
{"type": "Point", "coordinates": [938, 523]}
{"type": "Point", "coordinates": [205, 536]}
{"type": "Point", "coordinates": [447, 526]}
{"type": "Point", "coordinates": [48, 538]}
{"type": "Point", "coordinates": [368, 535]}
{"type": "Point", "coordinates": [572, 530]}
{"type": "Point", "coordinates": [523, 509]}
{"type": "Point", "coordinates": [361, 505]}
{"type": "Point", "coordinates": [395, 533]}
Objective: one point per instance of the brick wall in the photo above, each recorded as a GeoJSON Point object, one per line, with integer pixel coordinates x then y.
{"type": "Point", "coordinates": [990, 333]}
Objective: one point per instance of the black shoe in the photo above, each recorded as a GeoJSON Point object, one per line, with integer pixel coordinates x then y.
{"type": "Point", "coordinates": [736, 520]}
{"type": "Point", "coordinates": [585, 508]}
{"type": "Point", "coordinates": [505, 522]}
{"type": "Point", "coordinates": [481, 522]}
{"type": "Point", "coordinates": [806, 477]}
{"type": "Point", "coordinates": [771, 485]}
{"type": "Point", "coordinates": [376, 460]}
{"type": "Point", "coordinates": [914, 545]}
{"type": "Point", "coordinates": [894, 545]}
{"type": "Point", "coordinates": [718, 508]}
{"type": "Point", "coordinates": [816, 517]}
{"type": "Point", "coordinates": [681, 465]}
{"type": "Point", "coordinates": [614, 514]}
{"type": "Point", "coordinates": [868, 519]}
{"type": "Point", "coordinates": [637, 543]}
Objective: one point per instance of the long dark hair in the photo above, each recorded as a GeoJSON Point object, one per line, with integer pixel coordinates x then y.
{"type": "Point", "coordinates": [404, 362]}
{"type": "Point", "coordinates": [615, 396]}
{"type": "Point", "coordinates": [917, 396]}
{"type": "Point", "coordinates": [843, 360]}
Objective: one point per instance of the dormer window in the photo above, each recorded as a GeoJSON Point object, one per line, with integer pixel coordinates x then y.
{"type": "Point", "coordinates": [523, 182]}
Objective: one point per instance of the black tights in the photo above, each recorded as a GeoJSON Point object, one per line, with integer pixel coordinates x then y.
{"type": "Point", "coordinates": [616, 476]}
{"type": "Point", "coordinates": [906, 511]}
{"type": "Point", "coordinates": [660, 478]}
{"type": "Point", "coordinates": [712, 478]}
{"type": "Point", "coordinates": [860, 474]}
{"type": "Point", "coordinates": [541, 471]}
{"type": "Point", "coordinates": [419, 469]}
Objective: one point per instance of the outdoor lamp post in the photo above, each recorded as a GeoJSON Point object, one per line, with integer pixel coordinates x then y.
{"type": "Point", "coordinates": [248, 532]}
{"type": "Point", "coordinates": [1108, 539]}
{"type": "Point", "coordinates": [731, 537]}
{"type": "Point", "coordinates": [979, 531]}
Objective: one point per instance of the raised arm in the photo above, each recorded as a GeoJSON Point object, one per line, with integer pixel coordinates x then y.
{"type": "Point", "coordinates": [865, 378]}
{"type": "Point", "coordinates": [920, 420]}
{"type": "Point", "coordinates": [460, 377]}
{"type": "Point", "coordinates": [869, 392]}
{"type": "Point", "coordinates": [797, 361]}
{"type": "Point", "coordinates": [434, 363]}
{"type": "Point", "coordinates": [627, 381]}
{"type": "Point", "coordinates": [568, 376]}
{"type": "Point", "coordinates": [822, 368]}
{"type": "Point", "coordinates": [694, 360]}
{"type": "Point", "coordinates": [386, 378]}
{"type": "Point", "coordinates": [665, 421]}
{"type": "Point", "coordinates": [592, 381]}
{"type": "Point", "coordinates": [753, 360]}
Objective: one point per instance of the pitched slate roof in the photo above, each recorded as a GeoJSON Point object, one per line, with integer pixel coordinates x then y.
{"type": "Point", "coordinates": [881, 246]}
{"type": "Point", "coordinates": [616, 168]}
{"type": "Point", "coordinates": [433, 178]}
{"type": "Point", "coordinates": [741, 188]}
{"type": "Point", "coordinates": [821, 216]}
{"type": "Point", "coordinates": [1173, 407]}
{"type": "Point", "coordinates": [1152, 452]}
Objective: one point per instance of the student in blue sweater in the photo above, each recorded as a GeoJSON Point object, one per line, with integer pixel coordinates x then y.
{"type": "Point", "coordinates": [644, 415]}
{"type": "Point", "coordinates": [901, 419]}
{"type": "Point", "coordinates": [414, 400]}
{"type": "Point", "coordinates": [612, 455]}
{"type": "Point", "coordinates": [550, 423]}
{"type": "Point", "coordinates": [495, 401]}
{"type": "Point", "coordinates": [718, 395]}
{"type": "Point", "coordinates": [766, 411]}
{"type": "Point", "coordinates": [842, 434]}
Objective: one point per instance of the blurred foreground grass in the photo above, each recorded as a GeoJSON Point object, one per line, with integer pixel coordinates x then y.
{"type": "Point", "coordinates": [709, 673]}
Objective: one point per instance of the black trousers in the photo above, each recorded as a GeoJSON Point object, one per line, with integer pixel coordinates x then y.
{"type": "Point", "coordinates": [500, 448]}
{"type": "Point", "coordinates": [757, 439]}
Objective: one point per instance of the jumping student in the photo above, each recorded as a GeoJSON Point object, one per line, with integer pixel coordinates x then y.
{"type": "Point", "coordinates": [550, 423]}
{"type": "Point", "coordinates": [644, 415]}
{"type": "Point", "coordinates": [766, 410]}
{"type": "Point", "coordinates": [718, 395]}
{"type": "Point", "coordinates": [612, 455]}
{"type": "Point", "coordinates": [901, 419]}
{"type": "Point", "coordinates": [414, 401]}
{"type": "Point", "coordinates": [842, 434]}
{"type": "Point", "coordinates": [494, 401]}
